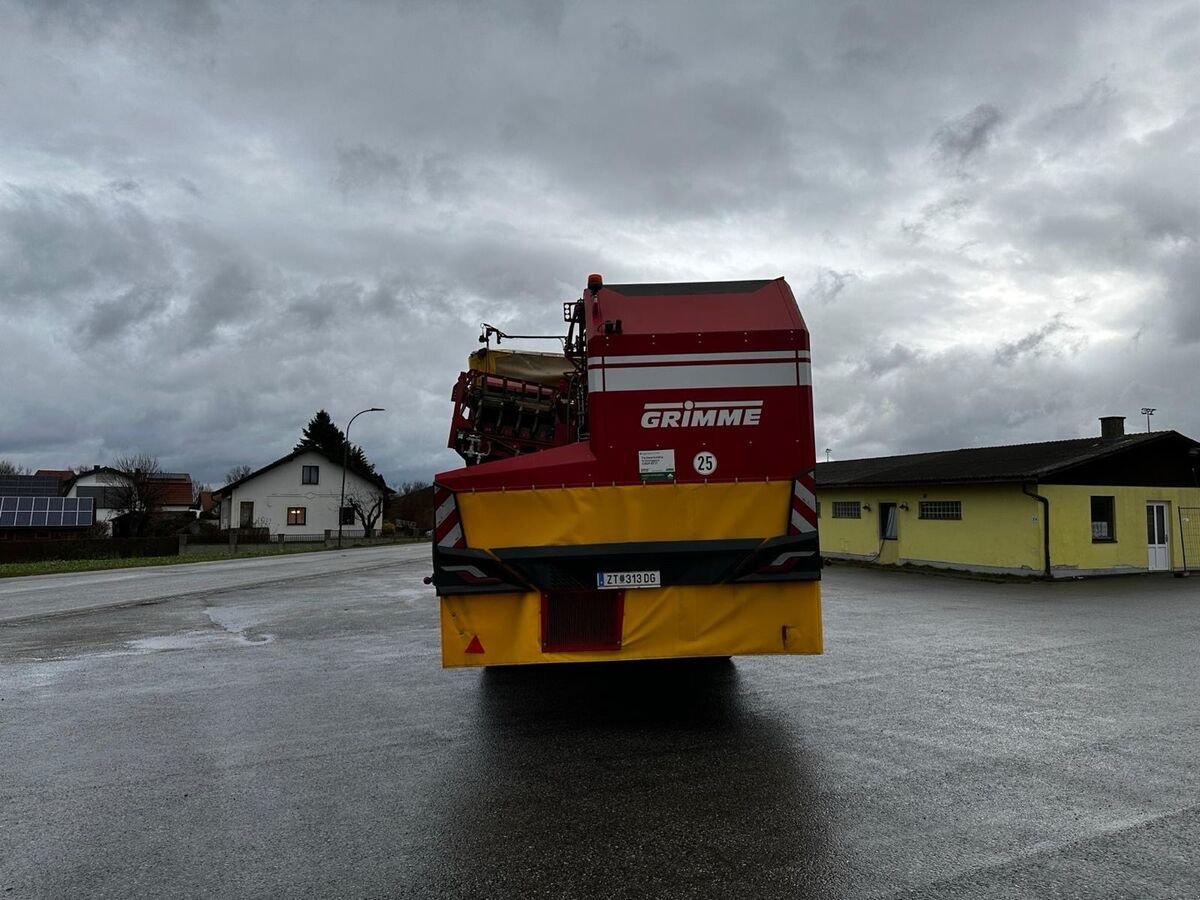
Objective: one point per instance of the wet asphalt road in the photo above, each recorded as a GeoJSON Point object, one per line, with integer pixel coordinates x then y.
{"type": "Point", "coordinates": [297, 738]}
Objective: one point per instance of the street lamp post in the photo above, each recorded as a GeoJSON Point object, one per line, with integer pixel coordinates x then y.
{"type": "Point", "coordinates": [1148, 411]}
{"type": "Point", "coordinates": [345, 450]}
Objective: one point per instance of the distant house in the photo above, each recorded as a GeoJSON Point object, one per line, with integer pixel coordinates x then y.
{"type": "Point", "coordinates": [1090, 506]}
{"type": "Point", "coordinates": [297, 494]}
{"type": "Point", "coordinates": [207, 506]}
{"type": "Point", "coordinates": [31, 508]}
{"type": "Point", "coordinates": [98, 484]}
{"type": "Point", "coordinates": [171, 491]}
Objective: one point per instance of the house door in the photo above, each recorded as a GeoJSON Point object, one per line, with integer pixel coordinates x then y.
{"type": "Point", "coordinates": [1157, 538]}
{"type": "Point", "coordinates": [246, 514]}
{"type": "Point", "coordinates": [887, 521]}
{"type": "Point", "coordinates": [889, 548]}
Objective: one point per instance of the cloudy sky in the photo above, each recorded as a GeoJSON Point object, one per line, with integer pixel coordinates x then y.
{"type": "Point", "coordinates": [218, 217]}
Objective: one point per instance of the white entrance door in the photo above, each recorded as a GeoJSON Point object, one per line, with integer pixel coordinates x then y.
{"type": "Point", "coordinates": [1157, 538]}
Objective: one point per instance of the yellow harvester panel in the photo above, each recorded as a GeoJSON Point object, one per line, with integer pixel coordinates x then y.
{"type": "Point", "coordinates": [682, 621]}
{"type": "Point", "coordinates": [672, 621]}
{"type": "Point", "coordinates": [564, 517]}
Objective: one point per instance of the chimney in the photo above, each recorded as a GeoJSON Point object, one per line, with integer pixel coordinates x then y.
{"type": "Point", "coordinates": [1112, 426]}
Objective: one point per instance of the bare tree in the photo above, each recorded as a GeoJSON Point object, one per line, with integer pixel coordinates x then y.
{"type": "Point", "coordinates": [367, 503]}
{"type": "Point", "coordinates": [11, 468]}
{"type": "Point", "coordinates": [138, 489]}
{"type": "Point", "coordinates": [237, 473]}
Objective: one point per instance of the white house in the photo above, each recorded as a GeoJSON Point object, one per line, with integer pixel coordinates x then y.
{"type": "Point", "coordinates": [297, 494]}
{"type": "Point", "coordinates": [106, 486]}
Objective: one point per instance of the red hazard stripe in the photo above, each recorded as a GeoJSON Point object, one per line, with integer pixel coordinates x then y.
{"type": "Point", "coordinates": [447, 528]}
{"type": "Point", "coordinates": [803, 518]}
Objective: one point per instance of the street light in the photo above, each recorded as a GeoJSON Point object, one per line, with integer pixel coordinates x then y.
{"type": "Point", "coordinates": [1148, 411]}
{"type": "Point", "coordinates": [345, 449]}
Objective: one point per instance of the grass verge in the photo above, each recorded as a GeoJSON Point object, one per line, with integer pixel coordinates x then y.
{"type": "Point", "coordinates": [60, 566]}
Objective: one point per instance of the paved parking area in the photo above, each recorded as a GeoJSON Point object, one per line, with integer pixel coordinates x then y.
{"type": "Point", "coordinates": [291, 734]}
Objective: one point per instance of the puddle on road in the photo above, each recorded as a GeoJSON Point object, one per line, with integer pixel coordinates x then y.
{"type": "Point", "coordinates": [192, 640]}
{"type": "Point", "coordinates": [231, 622]}
{"type": "Point", "coordinates": [230, 628]}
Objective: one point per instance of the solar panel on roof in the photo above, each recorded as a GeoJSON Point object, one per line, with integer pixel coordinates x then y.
{"type": "Point", "coordinates": [29, 485]}
{"type": "Point", "coordinates": [86, 513]}
{"type": "Point", "coordinates": [46, 512]}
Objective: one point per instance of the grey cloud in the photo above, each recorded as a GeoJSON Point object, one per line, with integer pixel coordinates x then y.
{"type": "Point", "coordinates": [319, 307]}
{"type": "Point", "coordinates": [361, 168]}
{"type": "Point", "coordinates": [1183, 295]}
{"type": "Point", "coordinates": [677, 149]}
{"type": "Point", "coordinates": [640, 51]}
{"type": "Point", "coordinates": [441, 177]}
{"type": "Point", "coordinates": [1085, 119]}
{"type": "Point", "coordinates": [934, 215]}
{"type": "Point", "coordinates": [125, 186]}
{"type": "Point", "coordinates": [97, 19]}
{"type": "Point", "coordinates": [895, 357]}
{"type": "Point", "coordinates": [228, 296]}
{"type": "Point", "coordinates": [828, 286]}
{"type": "Point", "coordinates": [110, 320]}
{"type": "Point", "coordinates": [944, 400]}
{"type": "Point", "coordinates": [63, 245]}
{"type": "Point", "coordinates": [1032, 343]}
{"type": "Point", "coordinates": [960, 142]}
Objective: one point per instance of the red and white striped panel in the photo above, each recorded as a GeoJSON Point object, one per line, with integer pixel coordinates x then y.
{"type": "Point", "coordinates": [804, 506]}
{"type": "Point", "coordinates": [447, 524]}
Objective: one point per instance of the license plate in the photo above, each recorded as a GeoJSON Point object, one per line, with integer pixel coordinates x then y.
{"type": "Point", "coordinates": [613, 581]}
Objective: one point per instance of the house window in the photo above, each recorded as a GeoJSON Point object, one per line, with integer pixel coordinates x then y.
{"type": "Point", "coordinates": [310, 475]}
{"type": "Point", "coordinates": [347, 515]}
{"type": "Point", "coordinates": [297, 515]}
{"type": "Point", "coordinates": [1104, 519]}
{"type": "Point", "coordinates": [846, 509]}
{"type": "Point", "coordinates": [940, 509]}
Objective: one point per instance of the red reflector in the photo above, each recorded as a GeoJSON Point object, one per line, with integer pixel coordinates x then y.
{"type": "Point", "coordinates": [475, 646]}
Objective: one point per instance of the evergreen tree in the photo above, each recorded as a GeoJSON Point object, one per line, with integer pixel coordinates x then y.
{"type": "Point", "coordinates": [322, 434]}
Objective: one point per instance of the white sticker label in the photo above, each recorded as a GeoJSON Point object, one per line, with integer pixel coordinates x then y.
{"type": "Point", "coordinates": [705, 463]}
{"type": "Point", "coordinates": [659, 463]}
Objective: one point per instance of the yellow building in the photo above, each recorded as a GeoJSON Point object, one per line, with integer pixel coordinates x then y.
{"type": "Point", "coordinates": [1091, 506]}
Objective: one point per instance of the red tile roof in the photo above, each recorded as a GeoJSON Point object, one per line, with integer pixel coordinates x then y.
{"type": "Point", "coordinates": [176, 489]}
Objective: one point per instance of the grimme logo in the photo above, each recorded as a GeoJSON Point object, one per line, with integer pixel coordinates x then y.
{"type": "Point", "coordinates": [690, 414]}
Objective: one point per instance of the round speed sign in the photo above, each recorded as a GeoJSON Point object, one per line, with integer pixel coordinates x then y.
{"type": "Point", "coordinates": [705, 463]}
